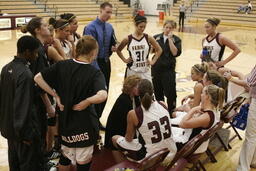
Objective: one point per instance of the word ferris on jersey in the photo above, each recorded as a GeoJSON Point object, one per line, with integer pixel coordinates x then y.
{"type": "Point", "coordinates": [76, 138]}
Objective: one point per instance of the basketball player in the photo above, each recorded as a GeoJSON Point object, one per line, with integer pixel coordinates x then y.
{"type": "Point", "coordinates": [77, 86]}
{"type": "Point", "coordinates": [38, 28]}
{"type": "Point", "coordinates": [163, 72]}
{"type": "Point", "coordinates": [215, 44]}
{"type": "Point", "coordinates": [18, 117]}
{"type": "Point", "coordinates": [152, 122]}
{"type": "Point", "coordinates": [197, 74]}
{"type": "Point", "coordinates": [202, 117]}
{"type": "Point", "coordinates": [139, 44]}
{"type": "Point", "coordinates": [62, 30]}
{"type": "Point", "coordinates": [71, 18]}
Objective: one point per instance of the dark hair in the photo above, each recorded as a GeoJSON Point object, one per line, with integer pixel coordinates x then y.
{"type": "Point", "coordinates": [58, 24]}
{"type": "Point", "coordinates": [139, 19]}
{"type": "Point", "coordinates": [32, 25]}
{"type": "Point", "coordinates": [68, 16]}
{"type": "Point", "coordinates": [146, 93]}
{"type": "Point", "coordinates": [217, 79]}
{"type": "Point", "coordinates": [85, 45]}
{"type": "Point", "coordinates": [105, 4]}
{"type": "Point", "coordinates": [213, 21]}
{"type": "Point", "coordinates": [171, 22]}
{"type": "Point", "coordinates": [27, 43]}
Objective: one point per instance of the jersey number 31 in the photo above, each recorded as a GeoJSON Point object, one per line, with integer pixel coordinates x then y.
{"type": "Point", "coordinates": [157, 131]}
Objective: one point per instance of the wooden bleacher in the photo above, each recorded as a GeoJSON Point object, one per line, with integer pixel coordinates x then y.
{"type": "Point", "coordinates": [85, 10]}
{"type": "Point", "coordinates": [224, 10]}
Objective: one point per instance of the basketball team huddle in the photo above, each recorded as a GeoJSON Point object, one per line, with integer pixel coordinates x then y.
{"type": "Point", "coordinates": [55, 90]}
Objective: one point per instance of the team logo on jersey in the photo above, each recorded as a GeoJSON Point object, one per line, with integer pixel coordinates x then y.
{"type": "Point", "coordinates": [10, 71]}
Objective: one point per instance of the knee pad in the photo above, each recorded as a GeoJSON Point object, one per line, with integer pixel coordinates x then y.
{"type": "Point", "coordinates": [64, 160]}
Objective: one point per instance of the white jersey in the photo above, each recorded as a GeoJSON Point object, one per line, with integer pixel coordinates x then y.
{"type": "Point", "coordinates": [139, 52]}
{"type": "Point", "coordinates": [203, 147]}
{"type": "Point", "coordinates": [155, 129]}
{"type": "Point", "coordinates": [215, 50]}
{"type": "Point", "coordinates": [67, 48]}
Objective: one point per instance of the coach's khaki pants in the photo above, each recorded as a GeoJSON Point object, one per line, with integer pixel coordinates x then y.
{"type": "Point", "coordinates": [248, 153]}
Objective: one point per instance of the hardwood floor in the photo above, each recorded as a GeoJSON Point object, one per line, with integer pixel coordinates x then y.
{"type": "Point", "coordinates": [191, 37]}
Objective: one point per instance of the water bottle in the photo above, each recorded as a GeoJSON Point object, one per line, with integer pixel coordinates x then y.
{"type": "Point", "coordinates": [205, 54]}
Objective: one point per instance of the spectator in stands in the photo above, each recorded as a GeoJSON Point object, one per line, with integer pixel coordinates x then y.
{"type": "Point", "coordinates": [71, 18]}
{"type": "Point", "coordinates": [117, 119]}
{"type": "Point", "coordinates": [241, 8]}
{"type": "Point", "coordinates": [248, 8]}
{"type": "Point", "coordinates": [1, 13]}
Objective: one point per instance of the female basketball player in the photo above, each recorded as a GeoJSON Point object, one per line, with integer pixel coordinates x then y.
{"type": "Point", "coordinates": [78, 122]}
{"type": "Point", "coordinates": [117, 119]}
{"type": "Point", "coordinates": [51, 50]}
{"type": "Point", "coordinates": [62, 30]}
{"type": "Point", "coordinates": [215, 78]}
{"type": "Point", "coordinates": [163, 72]}
{"type": "Point", "coordinates": [197, 74]}
{"type": "Point", "coordinates": [71, 18]}
{"type": "Point", "coordinates": [215, 44]}
{"type": "Point", "coordinates": [202, 117]}
{"type": "Point", "coordinates": [38, 28]}
{"type": "Point", "coordinates": [138, 45]}
{"type": "Point", "coordinates": [152, 122]}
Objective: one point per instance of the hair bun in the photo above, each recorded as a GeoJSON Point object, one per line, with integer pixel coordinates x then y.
{"type": "Point", "coordinates": [24, 29]}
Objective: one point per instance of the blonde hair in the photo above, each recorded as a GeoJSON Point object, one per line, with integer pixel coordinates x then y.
{"type": "Point", "coordinates": [201, 68]}
{"type": "Point", "coordinates": [217, 95]}
{"type": "Point", "coordinates": [129, 83]}
{"type": "Point", "coordinates": [86, 45]}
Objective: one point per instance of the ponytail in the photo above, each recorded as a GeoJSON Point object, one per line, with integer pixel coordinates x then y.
{"type": "Point", "coordinates": [217, 95]}
{"type": "Point", "coordinates": [146, 101]}
{"type": "Point", "coordinates": [146, 93]}
{"type": "Point", "coordinates": [221, 97]}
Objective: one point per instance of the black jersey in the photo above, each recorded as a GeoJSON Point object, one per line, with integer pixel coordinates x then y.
{"type": "Point", "coordinates": [17, 112]}
{"type": "Point", "coordinates": [117, 119]}
{"type": "Point", "coordinates": [166, 61]}
{"type": "Point", "coordinates": [74, 81]}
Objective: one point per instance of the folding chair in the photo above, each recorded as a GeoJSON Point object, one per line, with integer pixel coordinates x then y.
{"type": "Point", "coordinates": [149, 163]}
{"type": "Point", "coordinates": [187, 152]}
{"type": "Point", "coordinates": [229, 113]}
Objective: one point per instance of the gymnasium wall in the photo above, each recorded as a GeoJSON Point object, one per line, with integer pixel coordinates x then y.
{"type": "Point", "coordinates": [150, 6]}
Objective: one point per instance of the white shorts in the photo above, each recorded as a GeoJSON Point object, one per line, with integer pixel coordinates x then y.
{"type": "Point", "coordinates": [143, 75]}
{"type": "Point", "coordinates": [133, 150]}
{"type": "Point", "coordinates": [78, 154]}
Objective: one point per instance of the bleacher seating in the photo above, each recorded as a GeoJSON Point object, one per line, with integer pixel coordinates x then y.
{"type": "Point", "coordinates": [84, 9]}
{"type": "Point", "coordinates": [224, 10]}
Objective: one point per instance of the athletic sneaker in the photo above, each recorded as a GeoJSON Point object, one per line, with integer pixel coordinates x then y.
{"type": "Point", "coordinates": [51, 166]}
{"type": "Point", "coordinates": [53, 154]}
